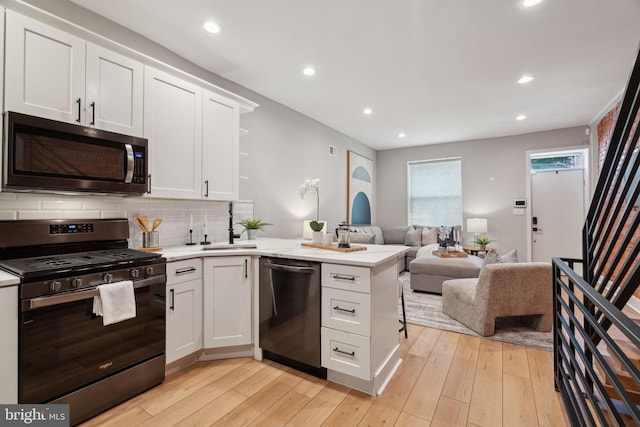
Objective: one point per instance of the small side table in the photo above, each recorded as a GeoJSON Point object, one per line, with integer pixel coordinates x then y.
{"type": "Point", "coordinates": [476, 250]}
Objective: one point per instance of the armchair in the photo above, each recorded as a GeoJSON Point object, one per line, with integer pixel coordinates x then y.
{"type": "Point", "coordinates": [514, 289]}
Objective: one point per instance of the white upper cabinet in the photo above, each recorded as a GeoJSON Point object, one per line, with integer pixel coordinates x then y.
{"type": "Point", "coordinates": [114, 91]}
{"type": "Point", "coordinates": [220, 147]}
{"type": "Point", "coordinates": [45, 70]}
{"type": "Point", "coordinates": [53, 74]}
{"type": "Point", "coordinates": [173, 126]}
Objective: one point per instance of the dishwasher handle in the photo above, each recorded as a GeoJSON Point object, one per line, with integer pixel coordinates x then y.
{"type": "Point", "coordinates": [290, 268]}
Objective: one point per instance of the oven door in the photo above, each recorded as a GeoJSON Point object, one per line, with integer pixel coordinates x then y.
{"type": "Point", "coordinates": [64, 346]}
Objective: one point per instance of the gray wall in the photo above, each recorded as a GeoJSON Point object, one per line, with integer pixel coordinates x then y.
{"type": "Point", "coordinates": [283, 147]}
{"type": "Point", "coordinates": [493, 174]}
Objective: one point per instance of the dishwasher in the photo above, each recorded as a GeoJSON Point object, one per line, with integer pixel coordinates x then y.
{"type": "Point", "coordinates": [289, 313]}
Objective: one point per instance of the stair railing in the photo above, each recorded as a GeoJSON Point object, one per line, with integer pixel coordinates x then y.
{"type": "Point", "coordinates": [596, 354]}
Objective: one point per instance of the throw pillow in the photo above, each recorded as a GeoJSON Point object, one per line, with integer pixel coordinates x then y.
{"type": "Point", "coordinates": [413, 237]}
{"type": "Point", "coordinates": [511, 256]}
{"type": "Point", "coordinates": [395, 235]}
{"type": "Point", "coordinates": [491, 257]}
{"type": "Point", "coordinates": [362, 237]}
{"type": "Point", "coordinates": [429, 236]}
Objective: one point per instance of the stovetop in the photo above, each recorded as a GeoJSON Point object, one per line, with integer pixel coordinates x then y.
{"type": "Point", "coordinates": [80, 261]}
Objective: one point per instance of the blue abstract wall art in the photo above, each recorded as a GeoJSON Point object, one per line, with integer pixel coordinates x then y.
{"type": "Point", "coordinates": [360, 189]}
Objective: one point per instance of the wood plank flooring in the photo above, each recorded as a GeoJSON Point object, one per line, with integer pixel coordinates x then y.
{"type": "Point", "coordinates": [446, 379]}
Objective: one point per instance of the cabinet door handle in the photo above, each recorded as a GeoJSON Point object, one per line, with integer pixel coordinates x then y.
{"type": "Point", "coordinates": [337, 307]}
{"type": "Point", "coordinates": [187, 270]}
{"type": "Point", "coordinates": [79, 102]}
{"type": "Point", "coordinates": [348, 353]}
{"type": "Point", "coordinates": [172, 307]}
{"type": "Point", "coordinates": [246, 268]}
{"type": "Point", "coordinates": [206, 188]}
{"type": "Point", "coordinates": [341, 277]}
{"type": "Point", "coordinates": [93, 113]}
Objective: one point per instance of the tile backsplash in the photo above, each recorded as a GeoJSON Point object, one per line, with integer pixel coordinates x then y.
{"type": "Point", "coordinates": [177, 215]}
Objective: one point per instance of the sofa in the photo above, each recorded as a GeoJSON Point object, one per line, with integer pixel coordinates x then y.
{"type": "Point", "coordinates": [429, 271]}
{"type": "Point", "coordinates": [414, 236]}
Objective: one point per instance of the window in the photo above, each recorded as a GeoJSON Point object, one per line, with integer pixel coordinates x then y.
{"type": "Point", "coordinates": [435, 192]}
{"type": "Point", "coordinates": [555, 161]}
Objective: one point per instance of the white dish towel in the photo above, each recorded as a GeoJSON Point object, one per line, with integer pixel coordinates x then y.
{"type": "Point", "coordinates": [117, 302]}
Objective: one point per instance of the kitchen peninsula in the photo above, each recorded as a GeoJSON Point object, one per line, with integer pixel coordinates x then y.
{"type": "Point", "coordinates": [359, 346]}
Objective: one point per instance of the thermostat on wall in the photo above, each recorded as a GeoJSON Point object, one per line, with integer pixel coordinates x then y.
{"type": "Point", "coordinates": [520, 203]}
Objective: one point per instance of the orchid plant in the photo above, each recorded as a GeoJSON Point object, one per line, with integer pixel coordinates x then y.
{"type": "Point", "coordinates": [443, 234]}
{"type": "Point", "coordinates": [312, 186]}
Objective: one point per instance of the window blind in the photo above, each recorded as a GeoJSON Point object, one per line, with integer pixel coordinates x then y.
{"type": "Point", "coordinates": [435, 192]}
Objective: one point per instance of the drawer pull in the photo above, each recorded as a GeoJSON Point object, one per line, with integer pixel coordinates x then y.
{"type": "Point", "coordinates": [186, 270]}
{"type": "Point", "coordinates": [341, 277]}
{"type": "Point", "coordinates": [348, 353]}
{"type": "Point", "coordinates": [337, 307]}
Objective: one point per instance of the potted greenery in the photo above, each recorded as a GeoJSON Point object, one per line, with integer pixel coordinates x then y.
{"type": "Point", "coordinates": [317, 227]}
{"type": "Point", "coordinates": [251, 226]}
{"type": "Point", "coordinates": [482, 242]}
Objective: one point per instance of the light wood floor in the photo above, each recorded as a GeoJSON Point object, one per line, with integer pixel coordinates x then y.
{"type": "Point", "coordinates": [446, 379]}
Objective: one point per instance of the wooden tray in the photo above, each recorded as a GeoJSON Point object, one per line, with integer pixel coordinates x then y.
{"type": "Point", "coordinates": [154, 249]}
{"type": "Point", "coordinates": [334, 248]}
{"type": "Point", "coordinates": [450, 254]}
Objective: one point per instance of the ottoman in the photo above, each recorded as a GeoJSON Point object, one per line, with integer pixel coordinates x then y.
{"type": "Point", "coordinates": [429, 271]}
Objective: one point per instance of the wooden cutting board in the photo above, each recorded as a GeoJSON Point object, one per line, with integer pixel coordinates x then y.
{"type": "Point", "coordinates": [334, 248]}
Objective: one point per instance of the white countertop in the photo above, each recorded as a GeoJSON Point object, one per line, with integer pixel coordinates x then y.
{"type": "Point", "coordinates": [291, 248]}
{"type": "Point", "coordinates": [7, 279]}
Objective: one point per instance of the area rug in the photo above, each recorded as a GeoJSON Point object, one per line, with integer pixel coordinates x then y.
{"type": "Point", "coordinates": [425, 309]}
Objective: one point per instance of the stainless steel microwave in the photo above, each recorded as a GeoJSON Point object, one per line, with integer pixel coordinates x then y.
{"type": "Point", "coordinates": [47, 155]}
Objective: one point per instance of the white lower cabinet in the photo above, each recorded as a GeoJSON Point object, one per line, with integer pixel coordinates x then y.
{"type": "Point", "coordinates": [227, 301]}
{"type": "Point", "coordinates": [184, 308]}
{"type": "Point", "coordinates": [9, 348]}
{"type": "Point", "coordinates": [359, 337]}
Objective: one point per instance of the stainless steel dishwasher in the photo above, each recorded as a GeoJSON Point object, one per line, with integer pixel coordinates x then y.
{"type": "Point", "coordinates": [290, 313]}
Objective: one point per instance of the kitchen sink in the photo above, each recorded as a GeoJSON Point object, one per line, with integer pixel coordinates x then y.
{"type": "Point", "coordinates": [224, 246]}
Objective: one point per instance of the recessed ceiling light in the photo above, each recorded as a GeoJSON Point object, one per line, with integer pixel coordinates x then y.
{"type": "Point", "coordinates": [309, 71]}
{"type": "Point", "coordinates": [212, 27]}
{"type": "Point", "coordinates": [367, 111]}
{"type": "Point", "coordinates": [526, 78]}
{"type": "Point", "coordinates": [401, 135]}
{"type": "Point", "coordinates": [529, 3]}
{"type": "Point", "coordinates": [521, 117]}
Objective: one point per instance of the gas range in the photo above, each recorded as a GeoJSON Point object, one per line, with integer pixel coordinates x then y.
{"type": "Point", "coordinates": [66, 354]}
{"type": "Point", "coordinates": [67, 255]}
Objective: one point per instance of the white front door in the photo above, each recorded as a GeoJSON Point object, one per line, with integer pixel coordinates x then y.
{"type": "Point", "coordinates": [557, 214]}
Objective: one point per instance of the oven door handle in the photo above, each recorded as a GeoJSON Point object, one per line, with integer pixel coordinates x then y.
{"type": "Point", "coordinates": [49, 301]}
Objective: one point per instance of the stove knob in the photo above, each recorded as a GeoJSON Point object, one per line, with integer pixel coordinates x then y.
{"type": "Point", "coordinates": [135, 273]}
{"type": "Point", "coordinates": [76, 282]}
{"type": "Point", "coordinates": [55, 286]}
{"type": "Point", "coordinates": [108, 277]}
{"type": "Point", "coordinates": [149, 270]}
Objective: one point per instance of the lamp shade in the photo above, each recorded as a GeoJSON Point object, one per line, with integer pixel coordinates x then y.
{"type": "Point", "coordinates": [477, 225]}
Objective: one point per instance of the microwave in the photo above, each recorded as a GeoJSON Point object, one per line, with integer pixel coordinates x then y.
{"type": "Point", "coordinates": [51, 156]}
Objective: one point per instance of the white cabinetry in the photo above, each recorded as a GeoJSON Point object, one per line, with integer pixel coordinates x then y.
{"type": "Point", "coordinates": [53, 74]}
{"type": "Point", "coordinates": [359, 337]}
{"type": "Point", "coordinates": [220, 147]}
{"type": "Point", "coordinates": [227, 301]}
{"type": "Point", "coordinates": [184, 308]}
{"type": "Point", "coordinates": [173, 125]}
{"type": "Point", "coordinates": [9, 348]}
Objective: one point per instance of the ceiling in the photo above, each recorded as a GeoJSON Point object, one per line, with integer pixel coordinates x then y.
{"type": "Point", "coordinates": [437, 71]}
